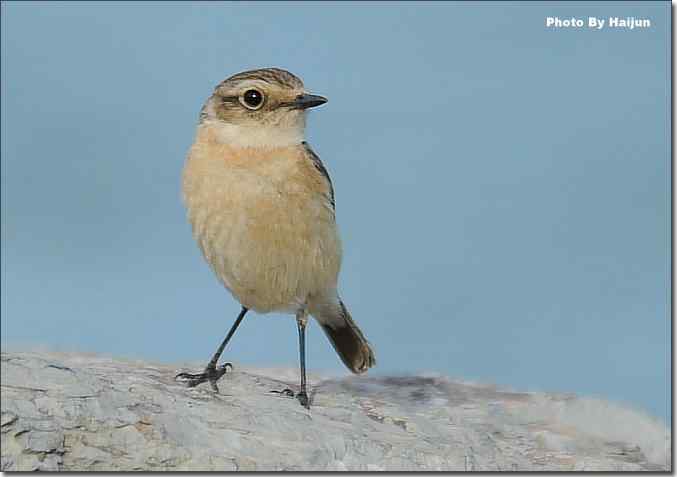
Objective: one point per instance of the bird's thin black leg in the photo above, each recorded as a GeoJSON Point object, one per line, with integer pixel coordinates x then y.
{"type": "Point", "coordinates": [302, 396]}
{"type": "Point", "coordinates": [211, 372]}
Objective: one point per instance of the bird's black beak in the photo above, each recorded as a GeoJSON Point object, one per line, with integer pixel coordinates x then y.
{"type": "Point", "coordinates": [305, 101]}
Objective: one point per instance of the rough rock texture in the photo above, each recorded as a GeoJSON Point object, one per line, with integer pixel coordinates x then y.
{"type": "Point", "coordinates": [84, 412]}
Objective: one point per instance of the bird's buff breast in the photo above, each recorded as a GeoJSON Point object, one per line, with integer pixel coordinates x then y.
{"type": "Point", "coordinates": [263, 223]}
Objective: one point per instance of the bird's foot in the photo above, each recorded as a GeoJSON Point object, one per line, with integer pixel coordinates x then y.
{"type": "Point", "coordinates": [285, 392]}
{"type": "Point", "coordinates": [211, 374]}
{"type": "Point", "coordinates": [301, 396]}
{"type": "Point", "coordinates": [303, 399]}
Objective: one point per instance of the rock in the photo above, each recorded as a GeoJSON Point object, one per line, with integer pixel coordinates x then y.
{"type": "Point", "coordinates": [79, 412]}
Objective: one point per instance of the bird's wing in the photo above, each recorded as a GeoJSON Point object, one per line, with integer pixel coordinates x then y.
{"type": "Point", "coordinates": [322, 170]}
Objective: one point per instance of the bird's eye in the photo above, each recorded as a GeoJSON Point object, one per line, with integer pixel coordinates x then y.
{"type": "Point", "coordinates": [252, 99]}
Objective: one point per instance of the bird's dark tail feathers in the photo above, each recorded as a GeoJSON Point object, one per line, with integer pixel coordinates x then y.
{"type": "Point", "coordinates": [348, 340]}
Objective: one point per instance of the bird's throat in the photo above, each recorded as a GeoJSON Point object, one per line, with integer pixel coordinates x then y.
{"type": "Point", "coordinates": [245, 136]}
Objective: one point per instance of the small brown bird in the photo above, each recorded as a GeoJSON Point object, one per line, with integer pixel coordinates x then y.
{"type": "Point", "coordinates": [261, 205]}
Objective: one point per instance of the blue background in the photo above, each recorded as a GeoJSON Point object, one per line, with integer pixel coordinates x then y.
{"type": "Point", "coordinates": [502, 188]}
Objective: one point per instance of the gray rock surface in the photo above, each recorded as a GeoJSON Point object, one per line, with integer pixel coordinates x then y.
{"type": "Point", "coordinates": [86, 412]}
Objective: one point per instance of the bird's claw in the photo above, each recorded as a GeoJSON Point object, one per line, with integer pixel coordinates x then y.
{"type": "Point", "coordinates": [301, 396]}
{"type": "Point", "coordinates": [211, 374]}
{"type": "Point", "coordinates": [303, 399]}
{"type": "Point", "coordinates": [285, 392]}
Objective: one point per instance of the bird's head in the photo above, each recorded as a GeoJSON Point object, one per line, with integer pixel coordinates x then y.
{"type": "Point", "coordinates": [259, 108]}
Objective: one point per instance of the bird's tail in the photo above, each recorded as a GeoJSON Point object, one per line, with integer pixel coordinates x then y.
{"type": "Point", "coordinates": [346, 338]}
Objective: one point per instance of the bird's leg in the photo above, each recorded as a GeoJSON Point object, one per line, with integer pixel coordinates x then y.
{"type": "Point", "coordinates": [211, 372]}
{"type": "Point", "coordinates": [301, 321]}
{"type": "Point", "coordinates": [302, 395]}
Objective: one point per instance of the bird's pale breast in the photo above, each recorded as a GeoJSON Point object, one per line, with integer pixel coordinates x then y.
{"type": "Point", "coordinates": [264, 221]}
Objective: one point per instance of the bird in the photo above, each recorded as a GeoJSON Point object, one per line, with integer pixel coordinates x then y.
{"type": "Point", "coordinates": [262, 209]}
